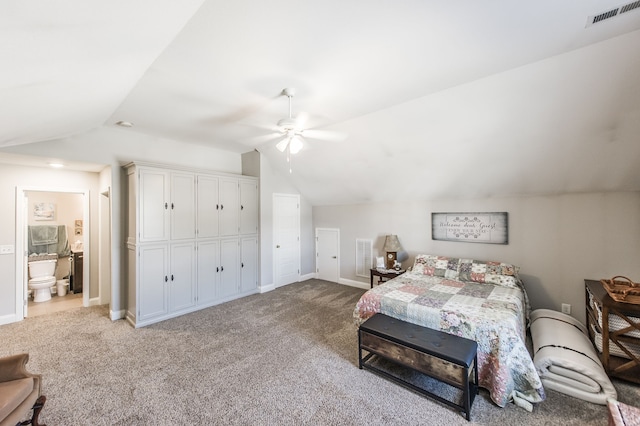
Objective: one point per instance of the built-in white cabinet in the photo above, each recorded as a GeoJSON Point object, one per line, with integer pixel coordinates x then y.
{"type": "Point", "coordinates": [248, 207]}
{"type": "Point", "coordinates": [192, 240]}
{"type": "Point", "coordinates": [248, 264]}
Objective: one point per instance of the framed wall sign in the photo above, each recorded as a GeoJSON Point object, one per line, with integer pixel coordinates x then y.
{"type": "Point", "coordinates": [488, 228]}
{"type": "Point", "coordinates": [44, 211]}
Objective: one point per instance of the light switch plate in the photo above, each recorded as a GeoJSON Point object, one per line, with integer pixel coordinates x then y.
{"type": "Point", "coordinates": [6, 249]}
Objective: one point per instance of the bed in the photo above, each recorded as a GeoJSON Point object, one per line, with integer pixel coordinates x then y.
{"type": "Point", "coordinates": [482, 301]}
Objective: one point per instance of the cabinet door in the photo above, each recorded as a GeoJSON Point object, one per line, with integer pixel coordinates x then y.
{"type": "Point", "coordinates": [208, 271]}
{"type": "Point", "coordinates": [229, 207]}
{"type": "Point", "coordinates": [182, 276]}
{"type": "Point", "coordinates": [152, 283]}
{"type": "Point", "coordinates": [248, 207]}
{"type": "Point", "coordinates": [229, 268]}
{"type": "Point", "coordinates": [154, 197]}
{"type": "Point", "coordinates": [208, 207]}
{"type": "Point", "coordinates": [248, 264]}
{"type": "Point", "coordinates": [183, 202]}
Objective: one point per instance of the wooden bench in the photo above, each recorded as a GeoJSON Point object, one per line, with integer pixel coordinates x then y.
{"type": "Point", "coordinates": [445, 357]}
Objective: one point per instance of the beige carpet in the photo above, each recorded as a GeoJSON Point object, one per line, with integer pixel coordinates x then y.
{"type": "Point", "coordinates": [287, 357]}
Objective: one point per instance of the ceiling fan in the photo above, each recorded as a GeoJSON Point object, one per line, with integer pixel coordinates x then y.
{"type": "Point", "coordinates": [293, 131]}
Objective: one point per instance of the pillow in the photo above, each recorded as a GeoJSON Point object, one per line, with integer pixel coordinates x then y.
{"type": "Point", "coordinates": [498, 273]}
{"type": "Point", "coordinates": [436, 266]}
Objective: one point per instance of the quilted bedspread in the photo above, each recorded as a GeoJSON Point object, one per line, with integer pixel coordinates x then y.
{"type": "Point", "coordinates": [492, 315]}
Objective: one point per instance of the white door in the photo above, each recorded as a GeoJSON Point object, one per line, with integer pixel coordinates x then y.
{"type": "Point", "coordinates": [328, 254]}
{"type": "Point", "coordinates": [182, 280]}
{"type": "Point", "coordinates": [229, 268]}
{"type": "Point", "coordinates": [248, 264]}
{"type": "Point", "coordinates": [208, 270]}
{"type": "Point", "coordinates": [229, 207]}
{"type": "Point", "coordinates": [208, 206]}
{"type": "Point", "coordinates": [183, 201]}
{"type": "Point", "coordinates": [248, 207]}
{"type": "Point", "coordinates": [154, 205]}
{"type": "Point", "coordinates": [152, 295]}
{"type": "Point", "coordinates": [286, 238]}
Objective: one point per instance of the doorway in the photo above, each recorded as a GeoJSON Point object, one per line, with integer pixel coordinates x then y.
{"type": "Point", "coordinates": [286, 238]}
{"type": "Point", "coordinates": [68, 211]}
{"type": "Point", "coordinates": [328, 254]}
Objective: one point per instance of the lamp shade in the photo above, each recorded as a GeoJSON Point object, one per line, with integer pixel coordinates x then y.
{"type": "Point", "coordinates": [391, 244]}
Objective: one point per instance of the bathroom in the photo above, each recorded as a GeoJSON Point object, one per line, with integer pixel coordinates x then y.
{"type": "Point", "coordinates": [60, 214]}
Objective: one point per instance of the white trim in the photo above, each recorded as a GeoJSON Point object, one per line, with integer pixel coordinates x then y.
{"type": "Point", "coordinates": [8, 319]}
{"type": "Point", "coordinates": [337, 231]}
{"type": "Point", "coordinates": [353, 283]}
{"type": "Point", "coordinates": [274, 196]}
{"type": "Point", "coordinates": [117, 315]}
{"type": "Point", "coordinates": [307, 276]}
{"type": "Point", "coordinates": [266, 288]}
{"type": "Point", "coordinates": [20, 252]}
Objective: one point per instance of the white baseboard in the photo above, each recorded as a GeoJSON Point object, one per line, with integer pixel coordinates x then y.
{"type": "Point", "coordinates": [8, 319]}
{"type": "Point", "coordinates": [116, 315]}
{"type": "Point", "coordinates": [94, 302]}
{"type": "Point", "coordinates": [266, 288]}
{"type": "Point", "coordinates": [353, 283]}
{"type": "Point", "coordinates": [307, 277]}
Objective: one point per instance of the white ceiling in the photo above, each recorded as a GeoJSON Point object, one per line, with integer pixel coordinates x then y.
{"type": "Point", "coordinates": [440, 98]}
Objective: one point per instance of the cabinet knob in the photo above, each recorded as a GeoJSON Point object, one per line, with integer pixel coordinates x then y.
{"type": "Point", "coordinates": [166, 206]}
{"type": "Point", "coordinates": [171, 277]}
{"type": "Point", "coordinates": [171, 206]}
{"type": "Point", "coordinates": [217, 269]}
{"type": "Point", "coordinates": [166, 279]}
{"type": "Point", "coordinates": [242, 264]}
{"type": "Point", "coordinates": [221, 268]}
{"type": "Point", "coordinates": [241, 207]}
{"type": "Point", "coordinates": [221, 206]}
{"type": "Point", "coordinates": [217, 207]}
{"type": "Point", "coordinates": [278, 246]}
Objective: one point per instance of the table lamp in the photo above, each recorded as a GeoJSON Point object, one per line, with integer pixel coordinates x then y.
{"type": "Point", "coordinates": [392, 247]}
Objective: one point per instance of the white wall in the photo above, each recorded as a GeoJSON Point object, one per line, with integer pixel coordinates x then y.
{"type": "Point", "coordinates": [271, 182]}
{"type": "Point", "coordinates": [558, 241]}
{"type": "Point", "coordinates": [12, 177]}
{"type": "Point", "coordinates": [113, 147]}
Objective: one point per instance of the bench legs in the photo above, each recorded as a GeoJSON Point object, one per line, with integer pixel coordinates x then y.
{"type": "Point", "coordinates": [37, 407]}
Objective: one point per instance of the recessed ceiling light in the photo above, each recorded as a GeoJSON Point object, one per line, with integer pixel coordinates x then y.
{"type": "Point", "coordinates": [56, 165]}
{"type": "Point", "coordinates": [124, 123]}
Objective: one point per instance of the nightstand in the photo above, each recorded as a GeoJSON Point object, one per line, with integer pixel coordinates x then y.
{"type": "Point", "coordinates": [383, 274]}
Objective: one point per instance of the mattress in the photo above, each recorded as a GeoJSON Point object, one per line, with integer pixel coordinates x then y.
{"type": "Point", "coordinates": [493, 315]}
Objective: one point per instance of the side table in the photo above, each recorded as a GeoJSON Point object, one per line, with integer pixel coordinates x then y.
{"type": "Point", "coordinates": [383, 274]}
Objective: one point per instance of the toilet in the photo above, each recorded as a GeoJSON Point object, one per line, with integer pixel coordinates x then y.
{"type": "Point", "coordinates": [42, 278]}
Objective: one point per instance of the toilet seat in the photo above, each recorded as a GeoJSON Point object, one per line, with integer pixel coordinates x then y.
{"type": "Point", "coordinates": [42, 280]}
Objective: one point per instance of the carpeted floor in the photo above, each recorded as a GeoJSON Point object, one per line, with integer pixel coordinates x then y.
{"type": "Point", "coordinates": [287, 357]}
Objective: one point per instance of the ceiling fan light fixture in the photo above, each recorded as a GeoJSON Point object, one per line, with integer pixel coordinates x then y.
{"type": "Point", "coordinates": [295, 144]}
{"type": "Point", "coordinates": [282, 145]}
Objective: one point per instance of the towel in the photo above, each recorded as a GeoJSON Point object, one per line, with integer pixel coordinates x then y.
{"type": "Point", "coordinates": [565, 358]}
{"type": "Point", "coordinates": [60, 246]}
{"type": "Point", "coordinates": [43, 235]}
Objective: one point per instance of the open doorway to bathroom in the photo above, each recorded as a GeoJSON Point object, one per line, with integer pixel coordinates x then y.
{"type": "Point", "coordinates": [55, 224]}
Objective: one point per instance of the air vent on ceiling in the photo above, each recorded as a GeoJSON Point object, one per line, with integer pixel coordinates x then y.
{"type": "Point", "coordinates": [612, 13]}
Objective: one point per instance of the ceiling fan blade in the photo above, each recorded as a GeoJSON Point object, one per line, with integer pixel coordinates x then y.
{"type": "Point", "coordinates": [264, 138]}
{"type": "Point", "coordinates": [282, 145]}
{"type": "Point", "coordinates": [327, 135]}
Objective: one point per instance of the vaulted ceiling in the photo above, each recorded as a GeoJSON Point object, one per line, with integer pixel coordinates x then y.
{"type": "Point", "coordinates": [434, 98]}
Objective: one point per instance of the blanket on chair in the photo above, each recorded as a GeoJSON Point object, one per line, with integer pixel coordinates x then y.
{"type": "Point", "coordinates": [565, 358]}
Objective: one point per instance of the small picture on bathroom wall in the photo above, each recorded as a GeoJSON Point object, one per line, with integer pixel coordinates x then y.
{"type": "Point", "coordinates": [78, 223]}
{"type": "Point", "coordinates": [78, 231]}
{"type": "Point", "coordinates": [44, 211]}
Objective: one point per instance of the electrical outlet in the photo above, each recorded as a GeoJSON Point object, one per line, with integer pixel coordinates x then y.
{"type": "Point", "coordinates": [566, 308]}
{"type": "Point", "coordinates": [6, 249]}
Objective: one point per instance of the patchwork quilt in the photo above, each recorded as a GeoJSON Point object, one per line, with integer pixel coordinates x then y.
{"type": "Point", "coordinates": [481, 301]}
